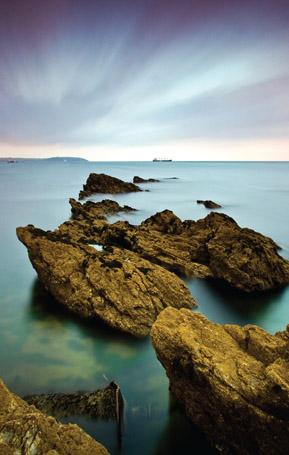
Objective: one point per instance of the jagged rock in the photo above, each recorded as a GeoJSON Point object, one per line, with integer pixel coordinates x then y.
{"type": "Point", "coordinates": [214, 246]}
{"type": "Point", "coordinates": [170, 251]}
{"type": "Point", "coordinates": [138, 179]}
{"type": "Point", "coordinates": [211, 247]}
{"type": "Point", "coordinates": [25, 430]}
{"type": "Point", "coordinates": [117, 286]}
{"type": "Point", "coordinates": [209, 204]}
{"type": "Point", "coordinates": [96, 210]}
{"type": "Point", "coordinates": [102, 183]}
{"type": "Point", "coordinates": [105, 403]}
{"type": "Point", "coordinates": [166, 222]}
{"type": "Point", "coordinates": [232, 381]}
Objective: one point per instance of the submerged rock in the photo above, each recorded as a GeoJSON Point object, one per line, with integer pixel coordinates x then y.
{"type": "Point", "coordinates": [138, 179]}
{"type": "Point", "coordinates": [102, 183]}
{"type": "Point", "coordinates": [232, 381]}
{"type": "Point", "coordinates": [213, 246]}
{"type": "Point", "coordinates": [94, 210]}
{"type": "Point", "coordinates": [209, 204]}
{"type": "Point", "coordinates": [105, 403]}
{"type": "Point", "coordinates": [115, 285]}
{"type": "Point", "coordinates": [25, 430]}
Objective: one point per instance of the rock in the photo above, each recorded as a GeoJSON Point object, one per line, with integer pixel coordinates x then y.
{"type": "Point", "coordinates": [209, 204]}
{"type": "Point", "coordinates": [102, 183]}
{"type": "Point", "coordinates": [232, 381]}
{"type": "Point", "coordinates": [245, 259]}
{"type": "Point", "coordinates": [25, 430]}
{"type": "Point", "coordinates": [214, 246]}
{"type": "Point", "coordinates": [137, 179]}
{"type": "Point", "coordinates": [117, 286]}
{"type": "Point", "coordinates": [166, 222]}
{"type": "Point", "coordinates": [105, 403]}
{"type": "Point", "coordinates": [171, 251]}
{"type": "Point", "coordinates": [96, 209]}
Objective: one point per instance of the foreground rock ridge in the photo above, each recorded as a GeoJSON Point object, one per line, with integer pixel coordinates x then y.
{"type": "Point", "coordinates": [102, 183]}
{"type": "Point", "coordinates": [25, 430]}
{"type": "Point", "coordinates": [116, 285]}
{"type": "Point", "coordinates": [104, 403]}
{"type": "Point", "coordinates": [232, 381]}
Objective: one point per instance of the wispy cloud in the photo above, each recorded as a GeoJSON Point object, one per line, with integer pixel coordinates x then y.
{"type": "Point", "coordinates": [135, 73]}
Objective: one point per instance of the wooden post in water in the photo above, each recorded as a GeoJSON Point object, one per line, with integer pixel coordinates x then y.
{"type": "Point", "coordinates": [118, 412]}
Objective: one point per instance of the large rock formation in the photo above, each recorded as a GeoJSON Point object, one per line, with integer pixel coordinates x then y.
{"type": "Point", "coordinates": [25, 430]}
{"type": "Point", "coordinates": [209, 204]}
{"type": "Point", "coordinates": [138, 179]}
{"type": "Point", "coordinates": [232, 381]}
{"type": "Point", "coordinates": [104, 403]}
{"type": "Point", "coordinates": [214, 246]}
{"type": "Point", "coordinates": [102, 183]}
{"type": "Point", "coordinates": [115, 285]}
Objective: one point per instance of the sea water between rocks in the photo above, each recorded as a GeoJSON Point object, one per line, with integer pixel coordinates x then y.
{"type": "Point", "coordinates": [43, 348]}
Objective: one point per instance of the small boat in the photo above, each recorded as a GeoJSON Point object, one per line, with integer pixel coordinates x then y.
{"type": "Point", "coordinates": [166, 160]}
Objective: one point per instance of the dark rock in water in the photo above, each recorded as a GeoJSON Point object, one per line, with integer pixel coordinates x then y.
{"type": "Point", "coordinates": [209, 204]}
{"type": "Point", "coordinates": [232, 381]}
{"type": "Point", "coordinates": [105, 403]}
{"type": "Point", "coordinates": [96, 210]}
{"type": "Point", "coordinates": [137, 179]}
{"type": "Point", "coordinates": [102, 183]}
{"type": "Point", "coordinates": [115, 285]}
{"type": "Point", "coordinates": [214, 246]}
{"type": "Point", "coordinates": [25, 430]}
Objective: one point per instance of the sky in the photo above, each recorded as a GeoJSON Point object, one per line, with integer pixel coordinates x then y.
{"type": "Point", "coordinates": [135, 79]}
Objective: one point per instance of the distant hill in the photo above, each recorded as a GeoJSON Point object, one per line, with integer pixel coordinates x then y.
{"type": "Point", "coordinates": [65, 159]}
{"type": "Point", "coordinates": [57, 159]}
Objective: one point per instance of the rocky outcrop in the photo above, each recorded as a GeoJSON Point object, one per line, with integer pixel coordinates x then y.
{"type": "Point", "coordinates": [138, 179]}
{"type": "Point", "coordinates": [213, 246]}
{"type": "Point", "coordinates": [209, 204]}
{"type": "Point", "coordinates": [105, 403]}
{"type": "Point", "coordinates": [96, 210]}
{"type": "Point", "coordinates": [25, 430]}
{"type": "Point", "coordinates": [232, 381]}
{"type": "Point", "coordinates": [102, 183]}
{"type": "Point", "coordinates": [116, 285]}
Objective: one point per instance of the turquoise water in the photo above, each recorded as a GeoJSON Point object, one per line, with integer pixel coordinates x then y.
{"type": "Point", "coordinates": [43, 348]}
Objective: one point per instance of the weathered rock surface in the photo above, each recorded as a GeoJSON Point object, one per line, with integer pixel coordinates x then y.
{"type": "Point", "coordinates": [213, 246]}
{"type": "Point", "coordinates": [25, 430]}
{"type": "Point", "coordinates": [232, 381]}
{"type": "Point", "coordinates": [138, 179]}
{"type": "Point", "coordinates": [105, 403]}
{"type": "Point", "coordinates": [96, 210]}
{"type": "Point", "coordinates": [115, 285]}
{"type": "Point", "coordinates": [102, 183]}
{"type": "Point", "coordinates": [209, 204]}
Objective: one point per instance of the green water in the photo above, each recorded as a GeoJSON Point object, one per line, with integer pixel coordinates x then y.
{"type": "Point", "coordinates": [44, 348]}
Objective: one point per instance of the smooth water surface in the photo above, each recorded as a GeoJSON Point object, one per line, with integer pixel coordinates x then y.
{"type": "Point", "coordinates": [44, 348]}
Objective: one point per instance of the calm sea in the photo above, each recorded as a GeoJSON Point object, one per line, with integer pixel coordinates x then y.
{"type": "Point", "coordinates": [43, 348]}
